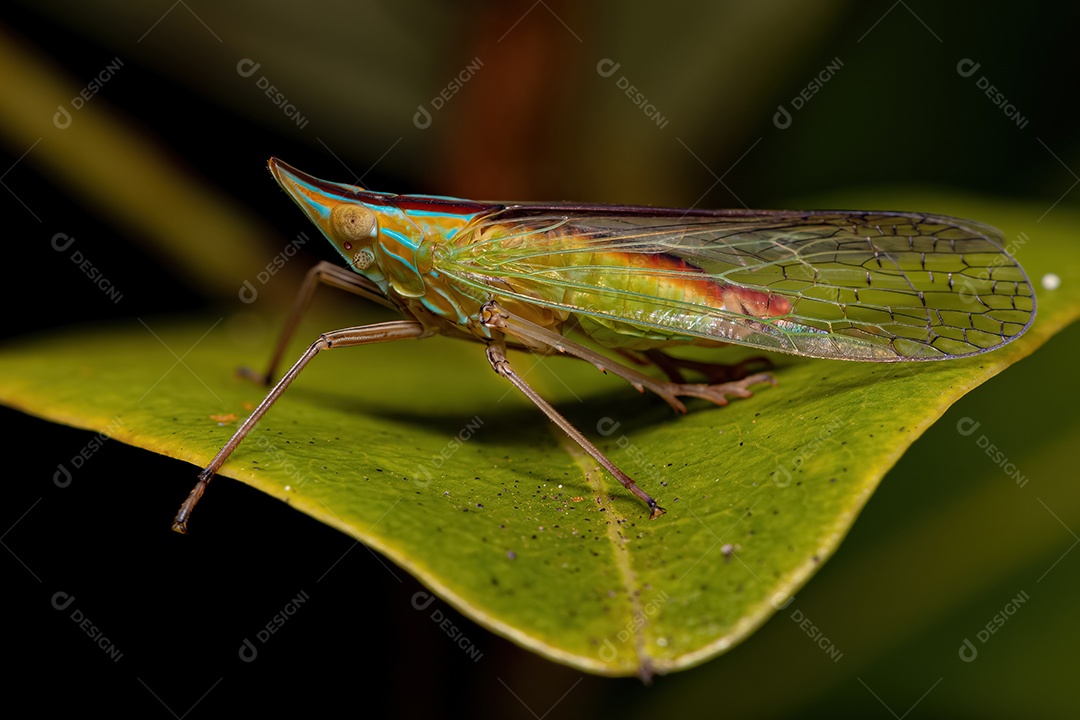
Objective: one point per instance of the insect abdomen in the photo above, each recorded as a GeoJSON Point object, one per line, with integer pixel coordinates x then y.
{"type": "Point", "coordinates": [661, 290]}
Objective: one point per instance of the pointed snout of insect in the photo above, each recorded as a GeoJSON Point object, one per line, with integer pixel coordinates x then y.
{"type": "Point", "coordinates": [314, 196]}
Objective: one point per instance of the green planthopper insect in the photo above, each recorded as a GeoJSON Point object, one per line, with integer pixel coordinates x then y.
{"type": "Point", "coordinates": [843, 285]}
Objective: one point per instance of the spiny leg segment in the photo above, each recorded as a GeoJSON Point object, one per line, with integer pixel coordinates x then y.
{"type": "Point", "coordinates": [715, 373]}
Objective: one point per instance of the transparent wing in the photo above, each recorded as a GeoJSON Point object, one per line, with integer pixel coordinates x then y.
{"type": "Point", "coordinates": [881, 286]}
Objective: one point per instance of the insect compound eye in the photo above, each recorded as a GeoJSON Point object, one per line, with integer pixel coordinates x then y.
{"type": "Point", "coordinates": [353, 222]}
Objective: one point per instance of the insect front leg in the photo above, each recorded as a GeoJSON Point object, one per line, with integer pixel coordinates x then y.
{"type": "Point", "coordinates": [496, 354]}
{"type": "Point", "coordinates": [364, 335]}
{"type": "Point", "coordinates": [325, 273]}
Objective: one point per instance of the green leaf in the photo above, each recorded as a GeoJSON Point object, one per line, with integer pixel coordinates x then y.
{"type": "Point", "coordinates": [424, 454]}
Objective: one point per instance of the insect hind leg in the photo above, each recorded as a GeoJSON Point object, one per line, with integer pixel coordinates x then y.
{"type": "Point", "coordinates": [715, 373]}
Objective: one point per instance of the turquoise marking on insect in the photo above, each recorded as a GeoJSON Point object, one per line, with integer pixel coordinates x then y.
{"type": "Point", "coordinates": [845, 285]}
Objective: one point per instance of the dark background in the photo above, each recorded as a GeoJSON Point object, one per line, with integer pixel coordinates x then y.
{"type": "Point", "coordinates": [537, 121]}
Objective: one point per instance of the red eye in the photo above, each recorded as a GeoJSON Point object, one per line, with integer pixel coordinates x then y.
{"type": "Point", "coordinates": [348, 245]}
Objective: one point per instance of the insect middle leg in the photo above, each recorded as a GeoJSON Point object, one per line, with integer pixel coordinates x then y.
{"type": "Point", "coordinates": [494, 316]}
{"type": "Point", "coordinates": [496, 354]}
